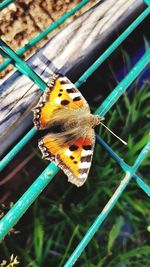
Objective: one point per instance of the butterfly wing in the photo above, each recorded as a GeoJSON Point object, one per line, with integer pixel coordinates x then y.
{"type": "Point", "coordinates": [60, 94]}
{"type": "Point", "coordinates": [74, 158]}
{"type": "Point", "coordinates": [72, 152]}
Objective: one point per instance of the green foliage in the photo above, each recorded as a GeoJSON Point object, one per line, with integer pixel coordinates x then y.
{"type": "Point", "coordinates": [38, 238]}
{"type": "Point", "coordinates": [61, 216]}
{"type": "Point", "coordinates": [114, 233]}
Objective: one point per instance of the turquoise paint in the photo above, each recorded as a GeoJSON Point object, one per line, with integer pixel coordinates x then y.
{"type": "Point", "coordinates": [110, 204]}
{"type": "Point", "coordinates": [147, 2]}
{"type": "Point", "coordinates": [142, 185]}
{"type": "Point", "coordinates": [44, 33]}
{"type": "Point", "coordinates": [14, 151]}
{"type": "Point", "coordinates": [42, 181]}
{"type": "Point", "coordinates": [22, 66]}
{"type": "Point", "coordinates": [8, 224]}
{"type": "Point", "coordinates": [113, 46]}
{"type": "Point", "coordinates": [27, 199]}
{"type": "Point", "coordinates": [86, 74]}
{"type": "Point", "coordinates": [124, 166]}
{"type": "Point", "coordinates": [5, 3]}
{"type": "Point", "coordinates": [123, 85]}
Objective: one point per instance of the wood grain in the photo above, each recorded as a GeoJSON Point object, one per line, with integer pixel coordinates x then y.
{"type": "Point", "coordinates": [70, 52]}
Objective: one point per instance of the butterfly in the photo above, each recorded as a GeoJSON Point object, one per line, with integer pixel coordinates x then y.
{"type": "Point", "coordinates": [65, 114]}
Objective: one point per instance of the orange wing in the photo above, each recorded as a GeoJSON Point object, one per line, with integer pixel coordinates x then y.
{"type": "Point", "coordinates": [60, 94]}
{"type": "Point", "coordinates": [74, 158]}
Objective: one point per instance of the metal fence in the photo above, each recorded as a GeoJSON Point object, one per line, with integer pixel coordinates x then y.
{"type": "Point", "coordinates": [20, 207]}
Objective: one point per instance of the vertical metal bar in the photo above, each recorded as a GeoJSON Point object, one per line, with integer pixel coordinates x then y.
{"type": "Point", "coordinates": [123, 165]}
{"type": "Point", "coordinates": [110, 204]}
{"type": "Point", "coordinates": [142, 185]}
{"type": "Point", "coordinates": [102, 110]}
{"type": "Point", "coordinates": [147, 2]}
{"type": "Point", "coordinates": [27, 199]}
{"type": "Point", "coordinates": [22, 66]}
{"type": "Point", "coordinates": [12, 153]}
{"type": "Point", "coordinates": [114, 45]}
{"type": "Point", "coordinates": [122, 86]}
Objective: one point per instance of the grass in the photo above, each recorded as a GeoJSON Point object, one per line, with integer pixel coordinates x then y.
{"type": "Point", "coordinates": [60, 217]}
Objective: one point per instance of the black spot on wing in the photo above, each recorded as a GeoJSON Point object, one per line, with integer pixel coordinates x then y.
{"type": "Point", "coordinates": [59, 95]}
{"type": "Point", "coordinates": [71, 90]}
{"type": "Point", "coordinates": [71, 157]}
{"type": "Point", "coordinates": [77, 98]}
{"type": "Point", "coordinates": [64, 102]}
{"type": "Point", "coordinates": [63, 81]}
{"type": "Point", "coordinates": [87, 147]}
{"type": "Point", "coordinates": [73, 148]}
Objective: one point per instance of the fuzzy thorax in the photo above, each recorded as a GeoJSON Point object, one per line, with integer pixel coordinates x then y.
{"type": "Point", "coordinates": [82, 121]}
{"type": "Point", "coordinates": [95, 120]}
{"type": "Point", "coordinates": [73, 123]}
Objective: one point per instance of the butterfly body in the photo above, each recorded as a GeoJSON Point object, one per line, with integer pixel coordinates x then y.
{"type": "Point", "coordinates": [64, 112]}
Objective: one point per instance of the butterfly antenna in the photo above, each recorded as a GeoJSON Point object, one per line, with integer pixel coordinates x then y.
{"type": "Point", "coordinates": [113, 133]}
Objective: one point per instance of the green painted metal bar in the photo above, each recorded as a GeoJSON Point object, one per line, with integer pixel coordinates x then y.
{"type": "Point", "coordinates": [82, 79]}
{"type": "Point", "coordinates": [5, 4]}
{"type": "Point", "coordinates": [142, 185]}
{"type": "Point", "coordinates": [16, 149]}
{"type": "Point", "coordinates": [85, 76]}
{"type": "Point", "coordinates": [44, 33]}
{"type": "Point", "coordinates": [147, 2]}
{"type": "Point", "coordinates": [110, 204]}
{"type": "Point", "coordinates": [120, 161]}
{"type": "Point", "coordinates": [8, 224]}
{"type": "Point", "coordinates": [27, 199]}
{"type": "Point", "coordinates": [113, 46]}
{"type": "Point", "coordinates": [109, 101]}
{"type": "Point", "coordinates": [122, 86]}
{"type": "Point", "coordinates": [123, 165]}
{"type": "Point", "coordinates": [42, 181]}
{"type": "Point", "coordinates": [22, 66]}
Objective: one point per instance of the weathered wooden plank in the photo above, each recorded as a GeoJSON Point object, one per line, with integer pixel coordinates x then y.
{"type": "Point", "coordinates": [70, 52]}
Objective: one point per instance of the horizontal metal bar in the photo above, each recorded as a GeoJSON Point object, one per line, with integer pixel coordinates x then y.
{"type": "Point", "coordinates": [44, 33]}
{"type": "Point", "coordinates": [84, 77]}
{"type": "Point", "coordinates": [54, 168]}
{"type": "Point", "coordinates": [5, 3]}
{"type": "Point", "coordinates": [21, 65]}
{"type": "Point", "coordinates": [26, 70]}
{"type": "Point", "coordinates": [110, 204]}
{"type": "Point", "coordinates": [120, 161]}
{"type": "Point", "coordinates": [17, 148]}
{"type": "Point", "coordinates": [106, 105]}
{"type": "Point", "coordinates": [123, 165]}
{"type": "Point", "coordinates": [114, 45]}
{"type": "Point", "coordinates": [109, 101]}
{"type": "Point", "coordinates": [27, 199]}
